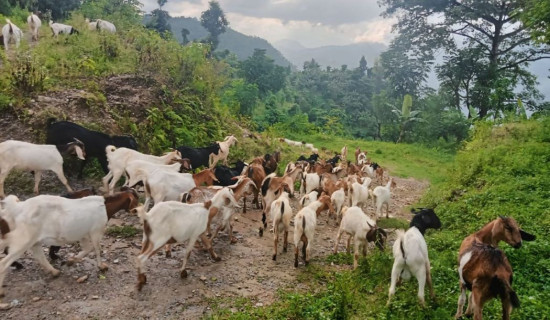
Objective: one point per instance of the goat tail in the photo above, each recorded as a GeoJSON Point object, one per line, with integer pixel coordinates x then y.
{"type": "Point", "coordinates": [501, 287]}
{"type": "Point", "coordinates": [303, 222]}
{"type": "Point", "coordinates": [110, 149]}
{"type": "Point", "coordinates": [11, 26]}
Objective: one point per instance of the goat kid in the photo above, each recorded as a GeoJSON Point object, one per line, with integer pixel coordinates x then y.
{"type": "Point", "coordinates": [362, 229]}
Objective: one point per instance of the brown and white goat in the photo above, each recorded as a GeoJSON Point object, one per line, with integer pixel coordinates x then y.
{"type": "Point", "coordinates": [501, 229]}
{"type": "Point", "coordinates": [281, 214]}
{"type": "Point", "coordinates": [176, 222]}
{"type": "Point", "coordinates": [271, 190]}
{"type": "Point", "coordinates": [486, 271]}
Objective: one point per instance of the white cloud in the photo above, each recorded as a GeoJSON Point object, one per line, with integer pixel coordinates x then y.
{"type": "Point", "coordinates": [312, 23]}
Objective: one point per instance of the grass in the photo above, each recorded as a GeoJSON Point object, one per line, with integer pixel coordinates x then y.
{"type": "Point", "coordinates": [122, 231]}
{"type": "Point", "coordinates": [502, 170]}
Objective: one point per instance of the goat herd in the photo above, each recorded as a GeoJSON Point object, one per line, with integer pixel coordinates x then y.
{"type": "Point", "coordinates": [184, 208]}
{"type": "Point", "coordinates": [13, 34]}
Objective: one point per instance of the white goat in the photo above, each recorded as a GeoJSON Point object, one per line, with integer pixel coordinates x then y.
{"type": "Point", "coordinates": [308, 198]}
{"type": "Point", "coordinates": [54, 221]}
{"type": "Point", "coordinates": [382, 195]}
{"type": "Point", "coordinates": [304, 226]}
{"type": "Point", "coordinates": [224, 151]}
{"type": "Point", "coordinates": [120, 157]}
{"type": "Point", "coordinates": [310, 182]}
{"type": "Point", "coordinates": [338, 198]}
{"type": "Point", "coordinates": [138, 170]}
{"type": "Point", "coordinates": [362, 229]}
{"type": "Point", "coordinates": [11, 32]}
{"type": "Point", "coordinates": [92, 25]}
{"type": "Point", "coordinates": [59, 28]}
{"type": "Point", "coordinates": [359, 192]}
{"type": "Point", "coordinates": [163, 185]}
{"type": "Point", "coordinates": [105, 25]}
{"type": "Point", "coordinates": [179, 222]}
{"type": "Point", "coordinates": [34, 24]}
{"type": "Point", "coordinates": [281, 214]}
{"type": "Point", "coordinates": [33, 157]}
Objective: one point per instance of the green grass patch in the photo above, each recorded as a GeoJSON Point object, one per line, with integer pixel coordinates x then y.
{"type": "Point", "coordinates": [393, 223]}
{"type": "Point", "coordinates": [122, 231]}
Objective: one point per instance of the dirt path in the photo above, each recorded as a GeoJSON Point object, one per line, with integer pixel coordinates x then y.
{"type": "Point", "coordinates": [246, 270]}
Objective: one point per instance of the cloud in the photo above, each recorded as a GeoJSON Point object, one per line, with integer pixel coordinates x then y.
{"type": "Point", "coordinates": [311, 22]}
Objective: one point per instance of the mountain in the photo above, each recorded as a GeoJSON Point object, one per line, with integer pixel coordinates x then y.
{"type": "Point", "coordinates": [241, 45]}
{"type": "Point", "coordinates": [333, 56]}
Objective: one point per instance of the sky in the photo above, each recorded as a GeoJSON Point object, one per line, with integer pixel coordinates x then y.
{"type": "Point", "coordinates": [313, 23]}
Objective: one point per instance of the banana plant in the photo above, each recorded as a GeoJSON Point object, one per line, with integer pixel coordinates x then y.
{"type": "Point", "coordinates": [406, 116]}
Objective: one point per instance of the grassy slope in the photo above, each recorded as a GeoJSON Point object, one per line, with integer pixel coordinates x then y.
{"type": "Point", "coordinates": [504, 170]}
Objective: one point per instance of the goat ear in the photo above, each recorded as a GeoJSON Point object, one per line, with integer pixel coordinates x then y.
{"type": "Point", "coordinates": [526, 236]}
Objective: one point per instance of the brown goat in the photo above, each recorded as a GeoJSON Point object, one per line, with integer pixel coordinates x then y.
{"type": "Point", "coordinates": [485, 271]}
{"type": "Point", "coordinates": [205, 177]}
{"type": "Point", "coordinates": [256, 172]}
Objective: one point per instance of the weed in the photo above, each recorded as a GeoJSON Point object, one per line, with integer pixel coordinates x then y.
{"type": "Point", "coordinates": [123, 232]}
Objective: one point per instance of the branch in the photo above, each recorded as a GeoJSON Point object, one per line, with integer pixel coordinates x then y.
{"type": "Point", "coordinates": [518, 43]}
{"type": "Point", "coordinates": [479, 29]}
{"type": "Point", "coordinates": [488, 18]}
{"type": "Point", "coordinates": [472, 38]}
{"type": "Point", "coordinates": [528, 59]}
{"type": "Point", "coordinates": [513, 33]}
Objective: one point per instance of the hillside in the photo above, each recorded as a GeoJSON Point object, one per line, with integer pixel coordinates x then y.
{"type": "Point", "coordinates": [241, 45]}
{"type": "Point", "coordinates": [333, 56]}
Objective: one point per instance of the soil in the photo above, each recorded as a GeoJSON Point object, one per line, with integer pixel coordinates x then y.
{"type": "Point", "coordinates": [246, 270]}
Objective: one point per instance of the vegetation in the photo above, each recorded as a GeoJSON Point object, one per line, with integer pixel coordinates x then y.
{"type": "Point", "coordinates": [501, 171]}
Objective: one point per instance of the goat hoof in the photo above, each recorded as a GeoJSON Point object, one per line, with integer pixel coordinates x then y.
{"type": "Point", "coordinates": [295, 264]}
{"type": "Point", "coordinates": [103, 267]}
{"type": "Point", "coordinates": [183, 274]}
{"type": "Point", "coordinates": [217, 259]}
{"type": "Point", "coordinates": [274, 257]}
{"type": "Point", "coordinates": [261, 232]}
{"type": "Point", "coordinates": [168, 254]}
{"type": "Point", "coordinates": [284, 249]}
{"type": "Point", "coordinates": [55, 273]}
{"type": "Point", "coordinates": [2, 294]}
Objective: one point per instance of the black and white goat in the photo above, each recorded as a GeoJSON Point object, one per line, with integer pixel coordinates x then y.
{"type": "Point", "coordinates": [411, 253]}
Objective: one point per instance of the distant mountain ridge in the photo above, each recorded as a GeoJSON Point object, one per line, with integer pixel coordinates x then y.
{"type": "Point", "coordinates": [240, 44]}
{"type": "Point", "coordinates": [333, 56]}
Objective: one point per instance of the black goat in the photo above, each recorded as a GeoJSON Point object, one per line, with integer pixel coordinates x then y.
{"type": "Point", "coordinates": [312, 158]}
{"type": "Point", "coordinates": [199, 156]}
{"type": "Point", "coordinates": [225, 174]}
{"type": "Point", "coordinates": [62, 132]}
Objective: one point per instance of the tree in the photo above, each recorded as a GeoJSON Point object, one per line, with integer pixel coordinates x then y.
{"type": "Point", "coordinates": [259, 69]}
{"type": "Point", "coordinates": [184, 34]}
{"type": "Point", "coordinates": [536, 16]}
{"type": "Point", "coordinates": [59, 9]}
{"type": "Point", "coordinates": [492, 26]}
{"type": "Point", "coordinates": [214, 21]}
{"type": "Point", "coordinates": [406, 116]}
{"type": "Point", "coordinates": [363, 65]}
